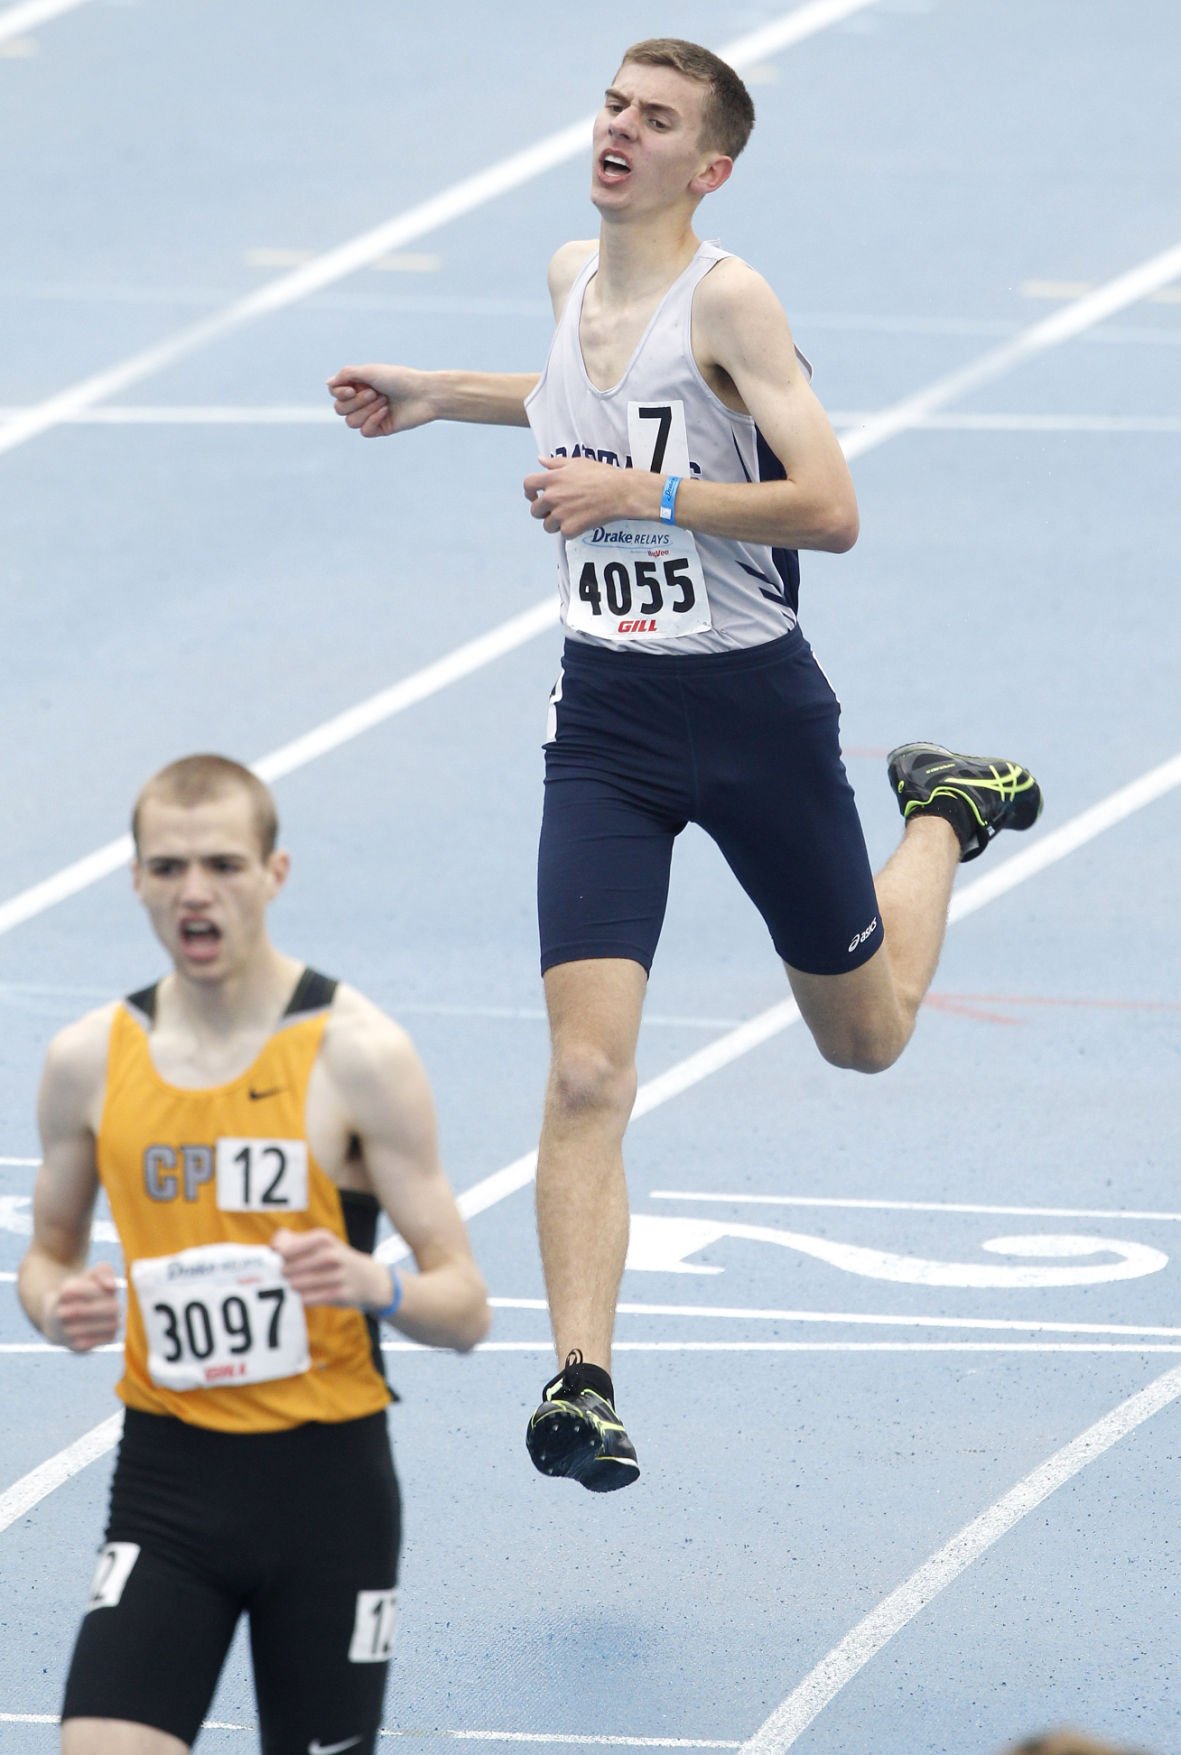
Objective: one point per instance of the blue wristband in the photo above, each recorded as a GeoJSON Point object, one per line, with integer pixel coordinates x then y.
{"type": "Point", "coordinates": [668, 499]}
{"type": "Point", "coordinates": [391, 1309]}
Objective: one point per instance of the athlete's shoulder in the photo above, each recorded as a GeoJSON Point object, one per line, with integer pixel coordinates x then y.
{"type": "Point", "coordinates": [374, 1069]}
{"type": "Point", "coordinates": [362, 1041]}
{"type": "Point", "coordinates": [76, 1059]}
{"type": "Point", "coordinates": [566, 264]}
{"type": "Point", "coordinates": [733, 288]}
{"type": "Point", "coordinates": [739, 323]}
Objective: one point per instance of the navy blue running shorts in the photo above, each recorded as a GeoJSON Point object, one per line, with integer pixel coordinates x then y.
{"type": "Point", "coordinates": [745, 744]}
{"type": "Point", "coordinates": [298, 1529]}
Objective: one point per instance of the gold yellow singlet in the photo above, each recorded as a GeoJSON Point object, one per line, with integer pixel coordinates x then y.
{"type": "Point", "coordinates": [198, 1182]}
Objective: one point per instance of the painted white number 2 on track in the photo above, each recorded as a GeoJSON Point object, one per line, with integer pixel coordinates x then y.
{"type": "Point", "coordinates": [662, 1245]}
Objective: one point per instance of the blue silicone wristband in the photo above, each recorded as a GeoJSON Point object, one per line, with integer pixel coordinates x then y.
{"type": "Point", "coordinates": [391, 1309]}
{"type": "Point", "coordinates": [668, 499]}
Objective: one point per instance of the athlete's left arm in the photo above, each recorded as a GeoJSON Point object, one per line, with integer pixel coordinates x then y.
{"type": "Point", "coordinates": [385, 1100]}
{"type": "Point", "coordinates": [744, 348]}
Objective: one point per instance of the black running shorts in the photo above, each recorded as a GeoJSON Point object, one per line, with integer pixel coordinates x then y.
{"type": "Point", "coordinates": [745, 744]}
{"type": "Point", "coordinates": [299, 1530]}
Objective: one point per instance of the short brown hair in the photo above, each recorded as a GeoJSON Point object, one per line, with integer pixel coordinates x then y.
{"type": "Point", "coordinates": [198, 779]}
{"type": "Point", "coordinates": [729, 113]}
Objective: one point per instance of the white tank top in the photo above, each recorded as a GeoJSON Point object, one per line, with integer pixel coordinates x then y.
{"type": "Point", "coordinates": [661, 415]}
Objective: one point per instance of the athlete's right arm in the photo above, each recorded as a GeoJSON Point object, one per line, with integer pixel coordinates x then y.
{"type": "Point", "coordinates": [380, 400]}
{"type": "Point", "coordinates": [72, 1305]}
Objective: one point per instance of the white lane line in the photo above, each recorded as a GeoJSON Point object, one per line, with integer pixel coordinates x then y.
{"type": "Point", "coordinates": [17, 1349]}
{"type": "Point", "coordinates": [113, 414]}
{"type": "Point", "coordinates": [1091, 1348]}
{"type": "Point", "coordinates": [911, 1206]}
{"type": "Point", "coordinates": [738, 1313]}
{"type": "Point", "coordinates": [404, 228]}
{"type": "Point", "coordinates": [1126, 289]}
{"type": "Point", "coordinates": [309, 414]}
{"type": "Point", "coordinates": [90, 869]}
{"type": "Point", "coordinates": [788, 1722]}
{"type": "Point", "coordinates": [455, 665]}
{"type": "Point", "coordinates": [572, 1739]}
{"type": "Point", "coordinates": [23, 1161]}
{"type": "Point", "coordinates": [32, 1488]}
{"type": "Point", "coordinates": [564, 1739]}
{"type": "Point", "coordinates": [20, 19]}
{"type": "Point", "coordinates": [855, 1318]}
{"type": "Point", "coordinates": [368, 300]}
{"type": "Point", "coordinates": [1031, 423]}
{"type": "Point", "coordinates": [755, 1313]}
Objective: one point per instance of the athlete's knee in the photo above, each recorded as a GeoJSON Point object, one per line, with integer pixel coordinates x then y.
{"type": "Point", "coordinates": [588, 1079]}
{"type": "Point", "coordinates": [858, 1048]}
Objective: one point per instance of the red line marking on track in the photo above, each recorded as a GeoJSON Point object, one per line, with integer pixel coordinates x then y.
{"type": "Point", "coordinates": [955, 1000]}
{"type": "Point", "coordinates": [947, 1002]}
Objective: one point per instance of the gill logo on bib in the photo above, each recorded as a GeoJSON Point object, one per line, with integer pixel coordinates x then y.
{"type": "Point", "coordinates": [637, 579]}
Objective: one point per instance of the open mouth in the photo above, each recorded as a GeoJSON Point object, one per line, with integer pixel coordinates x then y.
{"type": "Point", "coordinates": [200, 938]}
{"type": "Point", "coordinates": [612, 167]}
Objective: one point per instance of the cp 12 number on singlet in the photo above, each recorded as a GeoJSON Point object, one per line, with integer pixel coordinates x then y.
{"type": "Point", "coordinates": [262, 1175]}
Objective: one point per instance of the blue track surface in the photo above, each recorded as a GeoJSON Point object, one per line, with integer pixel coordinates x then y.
{"type": "Point", "coordinates": [928, 178]}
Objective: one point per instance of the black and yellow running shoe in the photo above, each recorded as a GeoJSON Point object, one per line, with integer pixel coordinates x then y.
{"type": "Point", "coordinates": [975, 794]}
{"type": "Point", "coordinates": [576, 1432]}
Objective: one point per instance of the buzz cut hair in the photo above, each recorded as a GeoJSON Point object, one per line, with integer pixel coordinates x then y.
{"type": "Point", "coordinates": [199, 779]}
{"type": "Point", "coordinates": [729, 112]}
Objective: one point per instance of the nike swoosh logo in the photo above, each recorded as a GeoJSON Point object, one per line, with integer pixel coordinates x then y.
{"type": "Point", "coordinates": [257, 1097]}
{"type": "Point", "coordinates": [319, 1748]}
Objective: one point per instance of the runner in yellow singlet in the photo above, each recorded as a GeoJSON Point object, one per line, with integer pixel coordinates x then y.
{"type": "Point", "coordinates": [248, 1118]}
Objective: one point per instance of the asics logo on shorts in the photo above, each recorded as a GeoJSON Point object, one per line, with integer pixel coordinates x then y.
{"type": "Point", "coordinates": [859, 938]}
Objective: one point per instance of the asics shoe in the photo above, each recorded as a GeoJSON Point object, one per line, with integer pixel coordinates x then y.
{"type": "Point", "coordinates": [577, 1432]}
{"type": "Point", "coordinates": [976, 795]}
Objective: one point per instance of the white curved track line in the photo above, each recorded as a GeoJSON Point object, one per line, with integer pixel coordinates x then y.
{"type": "Point", "coordinates": [18, 20]}
{"type": "Point", "coordinates": [32, 1488]}
{"type": "Point", "coordinates": [788, 1722]}
{"type": "Point", "coordinates": [393, 234]}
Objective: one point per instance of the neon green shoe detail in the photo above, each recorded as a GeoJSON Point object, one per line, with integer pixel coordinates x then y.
{"type": "Point", "coordinates": [977, 795]}
{"type": "Point", "coordinates": [576, 1432]}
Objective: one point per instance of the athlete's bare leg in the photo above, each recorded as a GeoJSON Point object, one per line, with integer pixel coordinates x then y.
{"type": "Point", "coordinates": [864, 1019]}
{"type": "Point", "coordinates": [582, 1209]}
{"type": "Point", "coordinates": [116, 1736]}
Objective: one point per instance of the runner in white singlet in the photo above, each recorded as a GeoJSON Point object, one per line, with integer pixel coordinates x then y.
{"type": "Point", "coordinates": [684, 462]}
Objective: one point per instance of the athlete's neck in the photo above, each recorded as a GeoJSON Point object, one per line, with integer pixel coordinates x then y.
{"type": "Point", "coordinates": [251, 998]}
{"type": "Point", "coordinates": [640, 261]}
